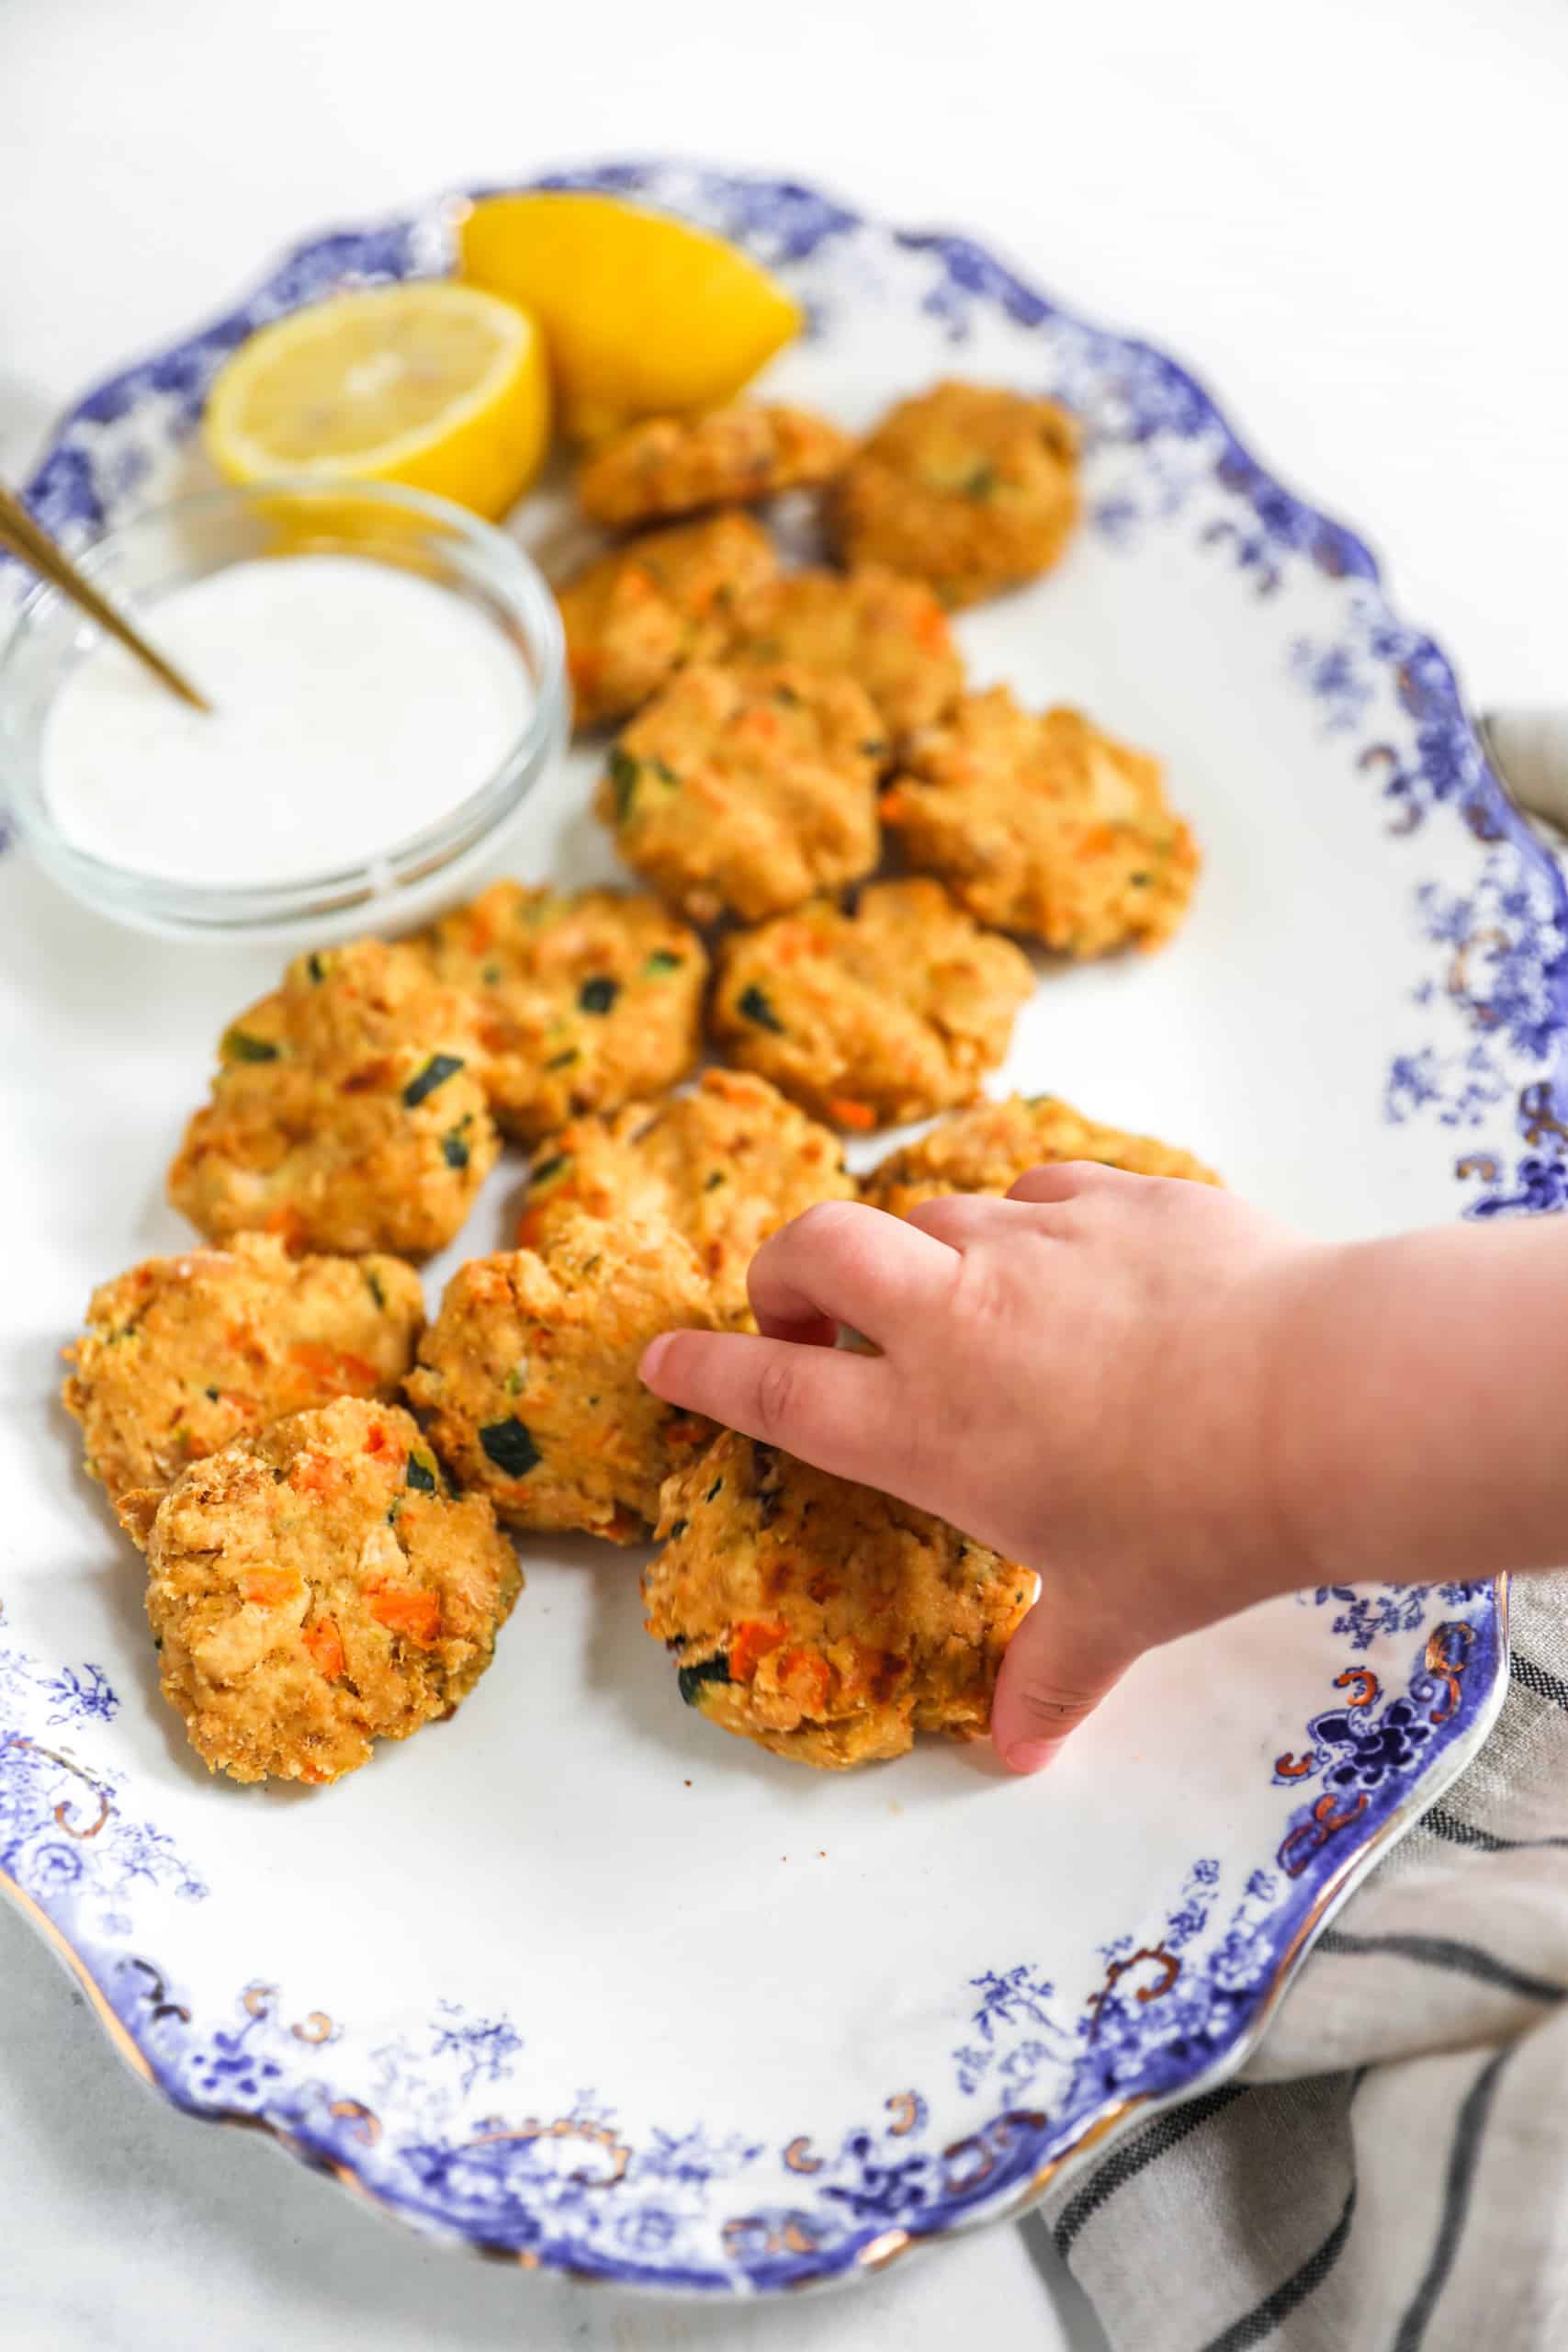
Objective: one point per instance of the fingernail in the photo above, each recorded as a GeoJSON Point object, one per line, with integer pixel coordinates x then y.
{"type": "Point", "coordinates": [652, 1357]}
{"type": "Point", "coordinates": [1030, 1755]}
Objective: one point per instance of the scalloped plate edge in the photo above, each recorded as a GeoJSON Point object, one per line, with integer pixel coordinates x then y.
{"type": "Point", "coordinates": [410, 241]}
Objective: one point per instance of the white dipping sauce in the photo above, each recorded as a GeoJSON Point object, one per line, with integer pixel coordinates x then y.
{"type": "Point", "coordinates": [353, 705]}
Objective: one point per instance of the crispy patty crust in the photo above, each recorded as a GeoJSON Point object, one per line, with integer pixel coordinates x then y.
{"type": "Point", "coordinates": [820, 1619]}
{"type": "Point", "coordinates": [725, 1165]}
{"type": "Point", "coordinates": [182, 1355]}
{"type": "Point", "coordinates": [585, 1000]}
{"type": "Point", "coordinates": [889, 1013]}
{"type": "Point", "coordinates": [529, 1376]}
{"type": "Point", "coordinates": [676, 465]}
{"type": "Point", "coordinates": [989, 1146]}
{"type": "Point", "coordinates": [346, 1113]}
{"type": "Point", "coordinates": [632, 618]}
{"type": "Point", "coordinates": [745, 790]}
{"type": "Point", "coordinates": [967, 486]}
{"type": "Point", "coordinates": [886, 631]}
{"type": "Point", "coordinates": [319, 1588]}
{"type": "Point", "coordinates": [1041, 823]}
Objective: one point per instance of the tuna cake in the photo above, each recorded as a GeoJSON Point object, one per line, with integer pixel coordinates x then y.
{"type": "Point", "coordinates": [967, 486]}
{"type": "Point", "coordinates": [887, 632]}
{"type": "Point", "coordinates": [820, 1619]}
{"type": "Point", "coordinates": [182, 1355]}
{"type": "Point", "coordinates": [319, 1588]}
{"type": "Point", "coordinates": [632, 616]}
{"type": "Point", "coordinates": [725, 1165]}
{"type": "Point", "coordinates": [745, 790]}
{"type": "Point", "coordinates": [585, 1001]}
{"type": "Point", "coordinates": [529, 1376]}
{"type": "Point", "coordinates": [346, 1113]}
{"type": "Point", "coordinates": [889, 1013]}
{"type": "Point", "coordinates": [674, 465]}
{"type": "Point", "coordinates": [1041, 823]}
{"type": "Point", "coordinates": [988, 1148]}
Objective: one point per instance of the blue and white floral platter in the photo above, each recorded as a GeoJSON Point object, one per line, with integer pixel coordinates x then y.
{"type": "Point", "coordinates": [575, 1978]}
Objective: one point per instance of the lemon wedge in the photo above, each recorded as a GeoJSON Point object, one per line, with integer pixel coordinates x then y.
{"type": "Point", "coordinates": [643, 315]}
{"type": "Point", "coordinates": [440, 387]}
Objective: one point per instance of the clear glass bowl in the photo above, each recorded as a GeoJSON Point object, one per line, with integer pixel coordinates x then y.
{"type": "Point", "coordinates": [162, 550]}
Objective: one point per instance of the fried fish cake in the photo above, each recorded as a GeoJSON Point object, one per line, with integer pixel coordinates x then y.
{"type": "Point", "coordinates": [346, 1113]}
{"type": "Point", "coordinates": [529, 1376]}
{"type": "Point", "coordinates": [888, 632]}
{"type": "Point", "coordinates": [585, 1001]}
{"type": "Point", "coordinates": [748, 789]}
{"type": "Point", "coordinates": [989, 1146]}
{"type": "Point", "coordinates": [895, 1010]}
{"type": "Point", "coordinates": [823, 1620]}
{"type": "Point", "coordinates": [675, 465]}
{"type": "Point", "coordinates": [1040, 823]}
{"type": "Point", "coordinates": [632, 616]}
{"type": "Point", "coordinates": [967, 486]}
{"type": "Point", "coordinates": [182, 1355]}
{"type": "Point", "coordinates": [317, 1587]}
{"type": "Point", "coordinates": [725, 1166]}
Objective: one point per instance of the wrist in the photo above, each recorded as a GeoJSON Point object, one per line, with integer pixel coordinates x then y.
{"type": "Point", "coordinates": [1294, 1445]}
{"type": "Point", "coordinates": [1303, 1462]}
{"type": "Point", "coordinates": [1405, 1446]}
{"type": "Point", "coordinates": [1236, 1499]}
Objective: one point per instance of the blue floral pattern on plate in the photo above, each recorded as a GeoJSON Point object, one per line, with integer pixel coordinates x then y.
{"type": "Point", "coordinates": [425, 2120]}
{"type": "Point", "coordinates": [412, 2119]}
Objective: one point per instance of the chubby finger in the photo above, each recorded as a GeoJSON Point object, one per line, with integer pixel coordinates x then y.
{"type": "Point", "coordinates": [1066, 1180]}
{"type": "Point", "coordinates": [844, 1263]}
{"type": "Point", "coordinates": [959, 1219]}
{"type": "Point", "coordinates": [831, 1407]}
{"type": "Point", "coordinates": [1053, 1676]}
{"type": "Point", "coordinates": [821, 1331]}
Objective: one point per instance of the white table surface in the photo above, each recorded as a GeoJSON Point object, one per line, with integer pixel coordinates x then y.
{"type": "Point", "coordinates": [1347, 218]}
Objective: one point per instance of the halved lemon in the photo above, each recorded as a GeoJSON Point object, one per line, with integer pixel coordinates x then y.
{"type": "Point", "coordinates": [442, 387]}
{"type": "Point", "coordinates": [643, 315]}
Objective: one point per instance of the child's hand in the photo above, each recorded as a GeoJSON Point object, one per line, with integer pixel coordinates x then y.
{"type": "Point", "coordinates": [1084, 1376]}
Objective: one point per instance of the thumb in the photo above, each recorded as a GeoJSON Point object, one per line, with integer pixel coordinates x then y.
{"type": "Point", "coordinates": [1053, 1676]}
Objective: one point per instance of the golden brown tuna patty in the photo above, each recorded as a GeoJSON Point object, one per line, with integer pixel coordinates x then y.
{"type": "Point", "coordinates": [748, 789]}
{"type": "Point", "coordinates": [967, 486]}
{"type": "Point", "coordinates": [895, 1010]}
{"type": "Point", "coordinates": [884, 631]}
{"type": "Point", "coordinates": [318, 1588]}
{"type": "Point", "coordinates": [989, 1146]}
{"type": "Point", "coordinates": [346, 1113]}
{"type": "Point", "coordinates": [585, 1001]}
{"type": "Point", "coordinates": [182, 1355]}
{"type": "Point", "coordinates": [674, 465]}
{"type": "Point", "coordinates": [529, 1376]}
{"type": "Point", "coordinates": [1039, 822]}
{"type": "Point", "coordinates": [632, 616]}
{"type": "Point", "coordinates": [725, 1166]}
{"type": "Point", "coordinates": [821, 1619]}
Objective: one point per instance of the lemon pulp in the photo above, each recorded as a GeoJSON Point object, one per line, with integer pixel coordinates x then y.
{"type": "Point", "coordinates": [442, 387]}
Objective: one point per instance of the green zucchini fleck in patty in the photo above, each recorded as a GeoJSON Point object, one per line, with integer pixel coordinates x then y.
{"type": "Point", "coordinates": [690, 1679]}
{"type": "Point", "coordinates": [436, 1071]}
{"type": "Point", "coordinates": [511, 1447]}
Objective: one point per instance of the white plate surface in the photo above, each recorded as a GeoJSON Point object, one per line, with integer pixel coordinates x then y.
{"type": "Point", "coordinates": [575, 1977]}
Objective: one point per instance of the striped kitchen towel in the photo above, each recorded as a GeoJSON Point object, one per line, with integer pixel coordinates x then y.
{"type": "Point", "coordinates": [1390, 2173]}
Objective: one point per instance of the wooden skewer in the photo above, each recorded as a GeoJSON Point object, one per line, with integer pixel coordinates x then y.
{"type": "Point", "coordinates": [39, 552]}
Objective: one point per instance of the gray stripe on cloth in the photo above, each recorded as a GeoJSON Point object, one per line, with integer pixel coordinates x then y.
{"type": "Point", "coordinates": [1453, 1948]}
{"type": "Point", "coordinates": [1455, 1832]}
{"type": "Point", "coordinates": [1126, 2163]}
{"type": "Point", "coordinates": [1444, 1951]}
{"type": "Point", "coordinates": [1463, 2157]}
{"type": "Point", "coordinates": [1255, 2325]}
{"type": "Point", "coordinates": [1539, 1680]}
